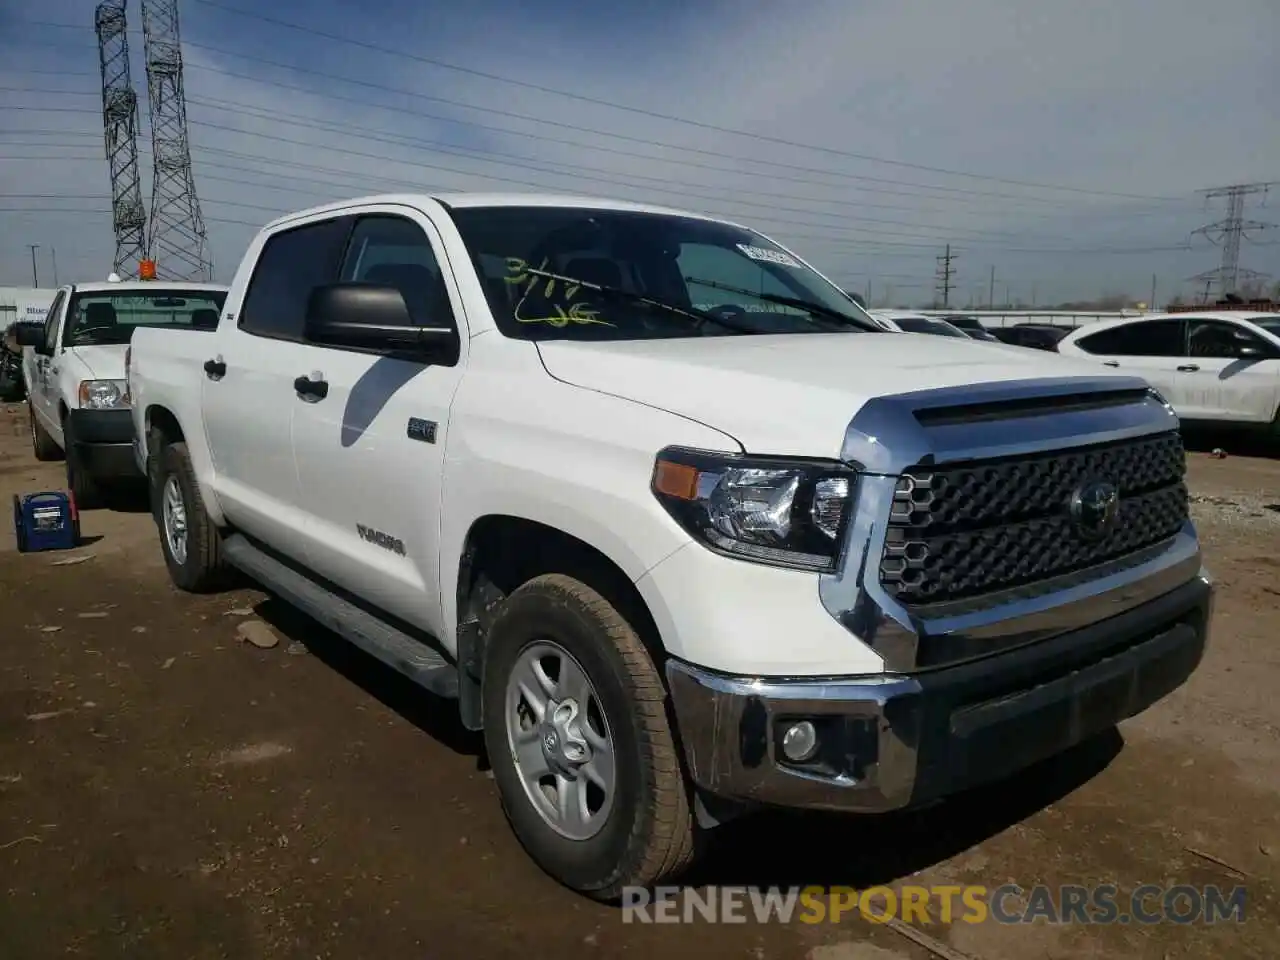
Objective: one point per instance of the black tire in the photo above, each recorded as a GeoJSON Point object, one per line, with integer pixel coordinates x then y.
{"type": "Point", "coordinates": [44, 447]}
{"type": "Point", "coordinates": [202, 570]}
{"type": "Point", "coordinates": [648, 836]}
{"type": "Point", "coordinates": [84, 487]}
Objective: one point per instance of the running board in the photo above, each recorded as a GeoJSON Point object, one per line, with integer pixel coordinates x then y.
{"type": "Point", "coordinates": [397, 649]}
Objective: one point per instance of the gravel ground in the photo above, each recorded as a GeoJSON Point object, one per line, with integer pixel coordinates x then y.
{"type": "Point", "coordinates": [169, 790]}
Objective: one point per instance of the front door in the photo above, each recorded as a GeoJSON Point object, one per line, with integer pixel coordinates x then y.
{"type": "Point", "coordinates": [1230, 373]}
{"type": "Point", "coordinates": [42, 377]}
{"type": "Point", "coordinates": [370, 452]}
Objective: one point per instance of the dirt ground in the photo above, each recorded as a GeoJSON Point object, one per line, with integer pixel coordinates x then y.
{"type": "Point", "coordinates": [168, 791]}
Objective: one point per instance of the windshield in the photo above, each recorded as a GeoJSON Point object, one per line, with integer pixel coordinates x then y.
{"type": "Point", "coordinates": [927, 325]}
{"type": "Point", "coordinates": [696, 266]}
{"type": "Point", "coordinates": [101, 318]}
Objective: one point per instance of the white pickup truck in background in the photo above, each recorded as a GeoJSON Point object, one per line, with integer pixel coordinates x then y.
{"type": "Point", "coordinates": [675, 561]}
{"type": "Point", "coordinates": [73, 364]}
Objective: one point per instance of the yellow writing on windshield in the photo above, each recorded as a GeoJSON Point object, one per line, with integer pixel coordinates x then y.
{"type": "Point", "coordinates": [520, 275]}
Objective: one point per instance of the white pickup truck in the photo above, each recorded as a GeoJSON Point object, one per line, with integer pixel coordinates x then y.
{"type": "Point", "coordinates": [676, 561]}
{"type": "Point", "coordinates": [73, 365]}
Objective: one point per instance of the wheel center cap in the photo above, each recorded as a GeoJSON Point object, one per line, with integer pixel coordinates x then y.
{"type": "Point", "coordinates": [564, 749]}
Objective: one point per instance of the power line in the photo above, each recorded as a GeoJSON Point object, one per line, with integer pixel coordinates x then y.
{"type": "Point", "coordinates": [647, 141]}
{"type": "Point", "coordinates": [345, 129]}
{"type": "Point", "coordinates": [715, 128]}
{"type": "Point", "coordinates": [575, 172]}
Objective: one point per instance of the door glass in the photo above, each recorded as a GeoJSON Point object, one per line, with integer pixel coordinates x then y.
{"type": "Point", "coordinates": [51, 322]}
{"type": "Point", "coordinates": [291, 265]}
{"type": "Point", "coordinates": [1144, 338]}
{"type": "Point", "coordinates": [395, 252]}
{"type": "Point", "coordinates": [1218, 339]}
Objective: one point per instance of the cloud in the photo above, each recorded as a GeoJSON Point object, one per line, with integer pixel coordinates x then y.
{"type": "Point", "coordinates": [1120, 101]}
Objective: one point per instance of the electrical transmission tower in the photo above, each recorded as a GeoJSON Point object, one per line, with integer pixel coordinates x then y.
{"type": "Point", "coordinates": [120, 123]}
{"type": "Point", "coordinates": [176, 240]}
{"type": "Point", "coordinates": [1229, 231]}
{"type": "Point", "coordinates": [945, 273]}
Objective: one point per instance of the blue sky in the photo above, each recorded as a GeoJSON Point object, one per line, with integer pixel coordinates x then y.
{"type": "Point", "coordinates": [855, 109]}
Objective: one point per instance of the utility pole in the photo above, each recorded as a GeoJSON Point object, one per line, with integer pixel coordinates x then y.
{"type": "Point", "coordinates": [53, 252]}
{"type": "Point", "coordinates": [35, 274]}
{"type": "Point", "coordinates": [1151, 304]}
{"type": "Point", "coordinates": [991, 290]}
{"type": "Point", "coordinates": [1229, 232]}
{"type": "Point", "coordinates": [945, 273]}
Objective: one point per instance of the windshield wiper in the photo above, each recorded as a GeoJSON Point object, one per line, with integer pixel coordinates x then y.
{"type": "Point", "coordinates": [816, 308]}
{"type": "Point", "coordinates": [692, 313]}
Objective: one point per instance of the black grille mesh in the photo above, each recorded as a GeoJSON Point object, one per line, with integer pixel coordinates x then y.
{"type": "Point", "coordinates": [965, 530]}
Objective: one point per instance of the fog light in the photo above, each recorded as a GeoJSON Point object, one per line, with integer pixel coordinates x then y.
{"type": "Point", "coordinates": [800, 742]}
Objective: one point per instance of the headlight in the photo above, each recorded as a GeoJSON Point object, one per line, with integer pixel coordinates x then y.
{"type": "Point", "coordinates": [103, 395]}
{"type": "Point", "coordinates": [782, 512]}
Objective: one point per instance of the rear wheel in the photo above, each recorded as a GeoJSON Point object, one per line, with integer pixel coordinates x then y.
{"type": "Point", "coordinates": [190, 541]}
{"type": "Point", "coordinates": [576, 729]}
{"type": "Point", "coordinates": [43, 446]}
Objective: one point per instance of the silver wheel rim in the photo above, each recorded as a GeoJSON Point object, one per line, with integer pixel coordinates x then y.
{"type": "Point", "coordinates": [560, 741]}
{"type": "Point", "coordinates": [174, 515]}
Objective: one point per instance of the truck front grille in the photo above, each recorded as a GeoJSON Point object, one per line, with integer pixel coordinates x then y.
{"type": "Point", "coordinates": [969, 529]}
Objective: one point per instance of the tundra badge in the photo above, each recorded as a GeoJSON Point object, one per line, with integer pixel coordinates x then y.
{"type": "Point", "coordinates": [378, 538]}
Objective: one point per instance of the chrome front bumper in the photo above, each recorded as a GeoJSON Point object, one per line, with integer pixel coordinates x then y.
{"type": "Point", "coordinates": [894, 741]}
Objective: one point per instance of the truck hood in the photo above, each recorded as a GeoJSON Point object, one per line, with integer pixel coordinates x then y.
{"type": "Point", "coordinates": [101, 362]}
{"type": "Point", "coordinates": [791, 395]}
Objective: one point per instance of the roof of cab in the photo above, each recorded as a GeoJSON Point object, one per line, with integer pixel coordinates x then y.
{"type": "Point", "coordinates": [469, 200]}
{"type": "Point", "coordinates": [148, 286]}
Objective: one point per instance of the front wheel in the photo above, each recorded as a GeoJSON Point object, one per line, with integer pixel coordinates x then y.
{"type": "Point", "coordinates": [84, 487]}
{"type": "Point", "coordinates": [582, 751]}
{"type": "Point", "coordinates": [191, 543]}
{"type": "Point", "coordinates": [43, 446]}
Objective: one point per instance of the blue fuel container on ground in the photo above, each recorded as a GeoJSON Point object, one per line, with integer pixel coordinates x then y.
{"type": "Point", "coordinates": [45, 521]}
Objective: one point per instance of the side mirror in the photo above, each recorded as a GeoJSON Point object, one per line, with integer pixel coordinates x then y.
{"type": "Point", "coordinates": [1251, 351]}
{"type": "Point", "coordinates": [372, 317]}
{"type": "Point", "coordinates": [30, 335]}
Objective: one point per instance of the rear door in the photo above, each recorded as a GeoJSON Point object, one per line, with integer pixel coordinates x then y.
{"type": "Point", "coordinates": [370, 452]}
{"type": "Point", "coordinates": [1230, 373]}
{"type": "Point", "coordinates": [248, 396]}
{"type": "Point", "coordinates": [1152, 349]}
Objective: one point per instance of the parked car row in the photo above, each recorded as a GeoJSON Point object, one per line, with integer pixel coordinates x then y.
{"type": "Point", "coordinates": [662, 512]}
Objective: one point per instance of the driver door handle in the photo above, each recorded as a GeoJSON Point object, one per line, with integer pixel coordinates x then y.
{"type": "Point", "coordinates": [213, 369]}
{"type": "Point", "coordinates": [311, 390]}
{"type": "Point", "coordinates": [1188, 368]}
{"type": "Point", "coordinates": [1111, 363]}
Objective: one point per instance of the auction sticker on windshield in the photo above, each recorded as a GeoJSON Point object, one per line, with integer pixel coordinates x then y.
{"type": "Point", "coordinates": [768, 256]}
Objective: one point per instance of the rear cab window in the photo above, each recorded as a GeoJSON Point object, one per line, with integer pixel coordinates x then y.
{"type": "Point", "coordinates": [101, 318]}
